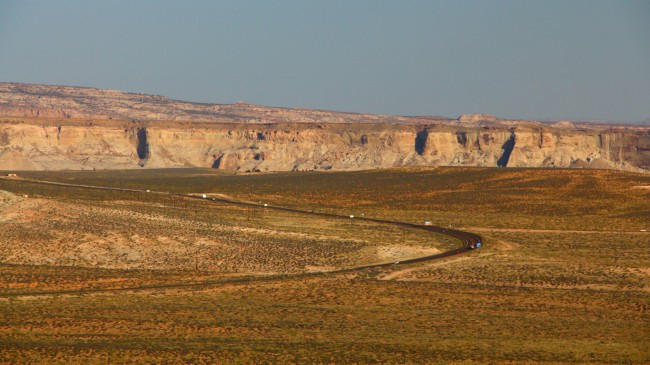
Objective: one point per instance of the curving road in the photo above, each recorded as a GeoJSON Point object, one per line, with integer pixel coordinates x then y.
{"type": "Point", "coordinates": [469, 241]}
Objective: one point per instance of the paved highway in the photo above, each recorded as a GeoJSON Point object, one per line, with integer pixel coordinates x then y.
{"type": "Point", "coordinates": [468, 241]}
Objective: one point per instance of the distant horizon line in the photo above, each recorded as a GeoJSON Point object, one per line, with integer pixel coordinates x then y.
{"type": "Point", "coordinates": [545, 120]}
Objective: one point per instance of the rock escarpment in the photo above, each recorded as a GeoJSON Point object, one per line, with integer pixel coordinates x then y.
{"type": "Point", "coordinates": [53, 134]}
{"type": "Point", "coordinates": [314, 147]}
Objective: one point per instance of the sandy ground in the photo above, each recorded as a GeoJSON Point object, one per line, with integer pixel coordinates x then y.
{"type": "Point", "coordinates": [488, 229]}
{"type": "Point", "coordinates": [400, 274]}
{"type": "Point", "coordinates": [51, 232]}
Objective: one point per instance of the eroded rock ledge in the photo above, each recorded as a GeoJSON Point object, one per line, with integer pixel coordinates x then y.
{"type": "Point", "coordinates": [277, 147]}
{"type": "Point", "coordinates": [58, 127]}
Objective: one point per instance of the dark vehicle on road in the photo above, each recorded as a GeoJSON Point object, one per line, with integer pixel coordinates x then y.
{"type": "Point", "coordinates": [474, 245]}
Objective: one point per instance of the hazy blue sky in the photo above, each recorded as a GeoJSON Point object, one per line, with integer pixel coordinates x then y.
{"type": "Point", "coordinates": [520, 59]}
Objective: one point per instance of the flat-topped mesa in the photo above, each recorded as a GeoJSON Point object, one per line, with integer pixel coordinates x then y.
{"type": "Point", "coordinates": [286, 147]}
{"type": "Point", "coordinates": [29, 101]}
{"type": "Point", "coordinates": [564, 124]}
{"type": "Point", "coordinates": [475, 118]}
{"type": "Point", "coordinates": [245, 137]}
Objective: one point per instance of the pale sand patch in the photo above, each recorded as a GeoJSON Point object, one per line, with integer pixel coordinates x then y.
{"type": "Point", "coordinates": [382, 254]}
{"type": "Point", "coordinates": [502, 245]}
{"type": "Point", "coordinates": [645, 270]}
{"type": "Point", "coordinates": [71, 238]}
{"type": "Point", "coordinates": [15, 207]}
{"type": "Point", "coordinates": [399, 274]}
{"type": "Point", "coordinates": [311, 268]}
{"type": "Point", "coordinates": [272, 232]}
{"type": "Point", "coordinates": [403, 252]}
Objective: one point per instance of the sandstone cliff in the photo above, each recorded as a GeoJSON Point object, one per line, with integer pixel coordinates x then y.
{"type": "Point", "coordinates": [280, 147]}
{"type": "Point", "coordinates": [53, 134]}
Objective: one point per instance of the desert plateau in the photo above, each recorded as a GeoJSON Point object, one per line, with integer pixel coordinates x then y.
{"type": "Point", "coordinates": [325, 182]}
{"type": "Point", "coordinates": [54, 127]}
{"type": "Point", "coordinates": [130, 274]}
{"type": "Point", "coordinates": [139, 229]}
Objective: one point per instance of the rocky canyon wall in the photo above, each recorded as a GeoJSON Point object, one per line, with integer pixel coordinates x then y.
{"type": "Point", "coordinates": [46, 127]}
{"type": "Point", "coordinates": [279, 147]}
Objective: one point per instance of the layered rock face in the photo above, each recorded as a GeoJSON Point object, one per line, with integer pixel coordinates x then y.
{"type": "Point", "coordinates": [53, 135]}
{"type": "Point", "coordinates": [34, 147]}
{"type": "Point", "coordinates": [322, 147]}
{"type": "Point", "coordinates": [541, 147]}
